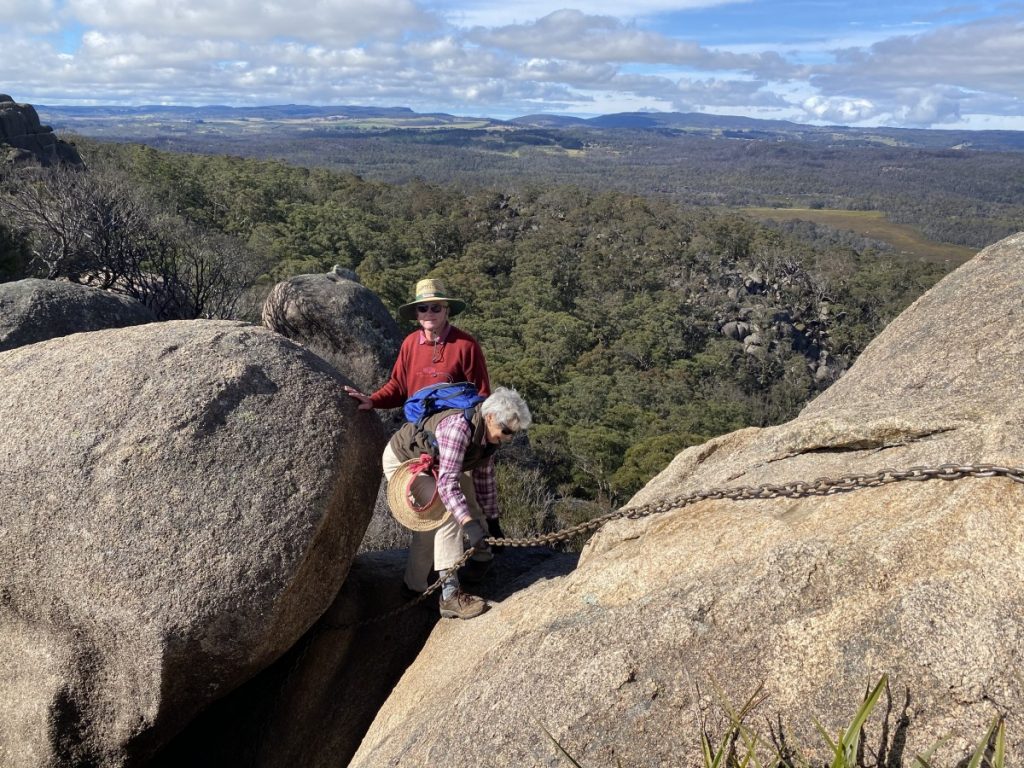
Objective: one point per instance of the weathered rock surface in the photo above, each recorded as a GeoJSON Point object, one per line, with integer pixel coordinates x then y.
{"type": "Point", "coordinates": [179, 502]}
{"type": "Point", "coordinates": [35, 310]}
{"type": "Point", "coordinates": [27, 139]}
{"type": "Point", "coordinates": [313, 706]}
{"type": "Point", "coordinates": [339, 319]}
{"type": "Point", "coordinates": [815, 597]}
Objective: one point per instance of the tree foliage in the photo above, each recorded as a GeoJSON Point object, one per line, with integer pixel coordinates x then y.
{"type": "Point", "coordinates": [634, 327]}
{"type": "Point", "coordinates": [101, 228]}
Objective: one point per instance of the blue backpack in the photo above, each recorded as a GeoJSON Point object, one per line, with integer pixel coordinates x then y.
{"type": "Point", "coordinates": [441, 397]}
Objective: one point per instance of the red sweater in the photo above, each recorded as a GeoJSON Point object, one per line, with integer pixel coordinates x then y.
{"type": "Point", "coordinates": [457, 357]}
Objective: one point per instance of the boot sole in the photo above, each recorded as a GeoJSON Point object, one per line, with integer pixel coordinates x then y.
{"type": "Point", "coordinates": [447, 613]}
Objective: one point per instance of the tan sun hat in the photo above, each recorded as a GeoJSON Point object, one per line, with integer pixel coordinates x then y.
{"type": "Point", "coordinates": [428, 290]}
{"type": "Point", "coordinates": [413, 497]}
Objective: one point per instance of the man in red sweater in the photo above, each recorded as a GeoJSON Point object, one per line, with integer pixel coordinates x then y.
{"type": "Point", "coordinates": [437, 353]}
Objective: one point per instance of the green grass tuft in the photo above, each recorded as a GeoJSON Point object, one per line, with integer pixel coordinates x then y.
{"type": "Point", "coordinates": [740, 746]}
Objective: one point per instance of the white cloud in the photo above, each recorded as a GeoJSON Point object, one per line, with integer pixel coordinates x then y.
{"type": "Point", "coordinates": [506, 58]}
{"type": "Point", "coordinates": [494, 13]}
{"type": "Point", "coordinates": [970, 56]}
{"type": "Point", "coordinates": [572, 35]}
{"type": "Point", "coordinates": [840, 110]}
{"type": "Point", "coordinates": [34, 16]}
{"type": "Point", "coordinates": [343, 22]}
{"type": "Point", "coordinates": [929, 78]}
{"type": "Point", "coordinates": [701, 94]}
{"type": "Point", "coordinates": [927, 108]}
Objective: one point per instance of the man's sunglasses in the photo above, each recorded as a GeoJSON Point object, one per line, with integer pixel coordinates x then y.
{"type": "Point", "coordinates": [507, 431]}
{"type": "Point", "coordinates": [434, 308]}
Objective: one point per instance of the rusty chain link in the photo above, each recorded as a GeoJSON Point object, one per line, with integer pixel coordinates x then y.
{"type": "Point", "coordinates": [823, 486]}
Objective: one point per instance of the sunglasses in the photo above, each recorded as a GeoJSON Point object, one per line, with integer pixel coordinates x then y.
{"type": "Point", "coordinates": [507, 431]}
{"type": "Point", "coordinates": [434, 308]}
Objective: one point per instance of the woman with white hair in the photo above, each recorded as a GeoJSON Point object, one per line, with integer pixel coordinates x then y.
{"type": "Point", "coordinates": [463, 443]}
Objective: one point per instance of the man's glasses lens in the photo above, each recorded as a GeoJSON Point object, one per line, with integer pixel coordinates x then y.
{"type": "Point", "coordinates": [424, 308]}
{"type": "Point", "coordinates": [507, 431]}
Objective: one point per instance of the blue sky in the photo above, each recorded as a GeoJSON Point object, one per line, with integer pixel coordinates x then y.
{"type": "Point", "coordinates": [910, 63]}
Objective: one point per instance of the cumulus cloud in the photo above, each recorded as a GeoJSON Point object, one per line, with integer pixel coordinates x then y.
{"type": "Point", "coordinates": [839, 110]}
{"type": "Point", "coordinates": [699, 94]}
{"type": "Point", "coordinates": [494, 13]}
{"type": "Point", "coordinates": [573, 35]}
{"type": "Point", "coordinates": [928, 78]}
{"type": "Point", "coordinates": [35, 16]}
{"type": "Point", "coordinates": [925, 108]}
{"type": "Point", "coordinates": [501, 59]}
{"type": "Point", "coordinates": [341, 22]}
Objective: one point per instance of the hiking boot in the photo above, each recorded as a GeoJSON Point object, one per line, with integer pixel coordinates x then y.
{"type": "Point", "coordinates": [462, 605]}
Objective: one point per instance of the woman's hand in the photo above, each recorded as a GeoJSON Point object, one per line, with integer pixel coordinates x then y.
{"type": "Point", "coordinates": [476, 534]}
{"type": "Point", "coordinates": [365, 403]}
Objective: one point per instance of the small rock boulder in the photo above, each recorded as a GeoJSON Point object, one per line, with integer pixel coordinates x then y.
{"type": "Point", "coordinates": [339, 319]}
{"type": "Point", "coordinates": [35, 310]}
{"type": "Point", "coordinates": [180, 502]}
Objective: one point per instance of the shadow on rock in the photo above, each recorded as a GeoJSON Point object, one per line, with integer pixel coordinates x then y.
{"type": "Point", "coordinates": [312, 707]}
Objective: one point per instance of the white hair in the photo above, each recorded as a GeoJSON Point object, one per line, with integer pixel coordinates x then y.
{"type": "Point", "coordinates": [508, 407]}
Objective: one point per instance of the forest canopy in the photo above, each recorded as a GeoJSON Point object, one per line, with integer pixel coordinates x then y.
{"type": "Point", "coordinates": [633, 325]}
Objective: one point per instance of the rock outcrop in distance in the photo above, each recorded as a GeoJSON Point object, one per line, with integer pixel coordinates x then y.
{"type": "Point", "coordinates": [669, 618]}
{"type": "Point", "coordinates": [34, 310]}
{"type": "Point", "coordinates": [179, 503]}
{"type": "Point", "coordinates": [27, 140]}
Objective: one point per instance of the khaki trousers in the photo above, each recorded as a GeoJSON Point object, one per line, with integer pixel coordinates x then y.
{"type": "Point", "coordinates": [442, 547]}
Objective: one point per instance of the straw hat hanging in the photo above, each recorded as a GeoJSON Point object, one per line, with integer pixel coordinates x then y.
{"type": "Point", "coordinates": [413, 497]}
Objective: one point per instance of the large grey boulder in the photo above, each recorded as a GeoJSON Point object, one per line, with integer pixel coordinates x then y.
{"type": "Point", "coordinates": [672, 616]}
{"type": "Point", "coordinates": [35, 310]}
{"type": "Point", "coordinates": [179, 502]}
{"type": "Point", "coordinates": [341, 320]}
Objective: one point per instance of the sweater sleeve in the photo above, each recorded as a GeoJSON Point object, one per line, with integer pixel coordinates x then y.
{"type": "Point", "coordinates": [396, 390]}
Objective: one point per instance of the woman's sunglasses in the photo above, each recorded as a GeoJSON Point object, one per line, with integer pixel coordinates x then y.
{"type": "Point", "coordinates": [434, 308]}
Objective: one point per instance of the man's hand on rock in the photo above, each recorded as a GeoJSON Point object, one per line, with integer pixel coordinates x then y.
{"type": "Point", "coordinates": [365, 403]}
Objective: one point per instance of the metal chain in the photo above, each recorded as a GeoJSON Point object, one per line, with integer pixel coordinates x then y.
{"type": "Point", "coordinates": [823, 486]}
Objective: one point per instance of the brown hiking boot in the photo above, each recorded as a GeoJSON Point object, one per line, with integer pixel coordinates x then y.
{"type": "Point", "coordinates": [462, 605]}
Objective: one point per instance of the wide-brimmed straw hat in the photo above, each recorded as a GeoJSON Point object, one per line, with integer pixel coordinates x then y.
{"type": "Point", "coordinates": [413, 497]}
{"type": "Point", "coordinates": [428, 290]}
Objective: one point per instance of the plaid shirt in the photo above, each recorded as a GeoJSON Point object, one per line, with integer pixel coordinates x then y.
{"type": "Point", "coordinates": [453, 436]}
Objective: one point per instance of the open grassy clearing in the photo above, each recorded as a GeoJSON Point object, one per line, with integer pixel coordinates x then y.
{"type": "Point", "coordinates": [904, 239]}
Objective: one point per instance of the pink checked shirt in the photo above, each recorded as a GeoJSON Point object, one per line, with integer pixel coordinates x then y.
{"type": "Point", "coordinates": [453, 436]}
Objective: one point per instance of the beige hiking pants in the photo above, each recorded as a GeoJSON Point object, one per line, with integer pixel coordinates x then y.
{"type": "Point", "coordinates": [442, 547]}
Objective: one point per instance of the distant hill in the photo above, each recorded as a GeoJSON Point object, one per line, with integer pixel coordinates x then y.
{"type": "Point", "coordinates": [145, 122]}
{"type": "Point", "coordinates": [548, 121]}
{"type": "Point", "coordinates": [958, 187]}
